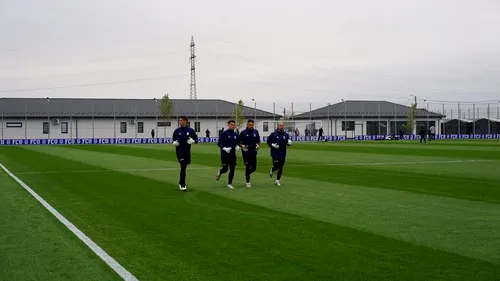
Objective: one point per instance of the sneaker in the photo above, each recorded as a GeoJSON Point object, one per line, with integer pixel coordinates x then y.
{"type": "Point", "coordinates": [230, 186]}
{"type": "Point", "coordinates": [277, 182]}
{"type": "Point", "coordinates": [182, 188]}
{"type": "Point", "coordinates": [248, 184]}
{"type": "Point", "coordinates": [217, 177]}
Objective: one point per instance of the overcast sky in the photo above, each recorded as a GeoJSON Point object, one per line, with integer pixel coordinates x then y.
{"type": "Point", "coordinates": [316, 50]}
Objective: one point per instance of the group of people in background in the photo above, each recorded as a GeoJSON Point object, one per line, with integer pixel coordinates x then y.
{"type": "Point", "coordinates": [230, 142]}
{"type": "Point", "coordinates": [427, 134]}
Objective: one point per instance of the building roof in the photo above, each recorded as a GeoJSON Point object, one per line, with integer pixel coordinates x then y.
{"type": "Point", "coordinates": [65, 107]}
{"type": "Point", "coordinates": [367, 109]}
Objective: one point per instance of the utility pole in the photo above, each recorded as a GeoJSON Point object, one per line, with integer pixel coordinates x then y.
{"type": "Point", "coordinates": [192, 59]}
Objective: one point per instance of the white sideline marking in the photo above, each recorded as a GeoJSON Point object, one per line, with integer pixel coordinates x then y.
{"type": "Point", "coordinates": [208, 168]}
{"type": "Point", "coordinates": [120, 270]}
{"type": "Point", "coordinates": [405, 163]}
{"type": "Point", "coordinates": [109, 170]}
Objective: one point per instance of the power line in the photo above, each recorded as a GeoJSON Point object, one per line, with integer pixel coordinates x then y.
{"type": "Point", "coordinates": [464, 102]}
{"type": "Point", "coordinates": [91, 84]}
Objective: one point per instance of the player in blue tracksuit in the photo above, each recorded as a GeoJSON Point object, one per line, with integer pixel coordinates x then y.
{"type": "Point", "coordinates": [183, 138]}
{"type": "Point", "coordinates": [228, 143]}
{"type": "Point", "coordinates": [250, 144]}
{"type": "Point", "coordinates": [278, 142]}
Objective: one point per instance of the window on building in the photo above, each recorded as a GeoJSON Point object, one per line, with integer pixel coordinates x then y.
{"type": "Point", "coordinates": [64, 127]}
{"type": "Point", "coordinates": [265, 126]}
{"type": "Point", "coordinates": [140, 127]}
{"type": "Point", "coordinates": [349, 127]}
{"type": "Point", "coordinates": [197, 127]}
{"type": "Point", "coordinates": [123, 127]}
{"type": "Point", "coordinates": [376, 127]}
{"type": "Point", "coordinates": [164, 124]}
{"type": "Point", "coordinates": [397, 126]}
{"type": "Point", "coordinates": [14, 124]}
{"type": "Point", "coordinates": [46, 128]}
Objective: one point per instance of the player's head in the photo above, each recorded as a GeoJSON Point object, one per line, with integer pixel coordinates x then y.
{"type": "Point", "coordinates": [183, 121]}
{"type": "Point", "coordinates": [231, 124]}
{"type": "Point", "coordinates": [250, 124]}
{"type": "Point", "coordinates": [281, 126]}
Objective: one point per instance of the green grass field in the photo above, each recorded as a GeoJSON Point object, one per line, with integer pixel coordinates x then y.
{"type": "Point", "coordinates": [345, 211]}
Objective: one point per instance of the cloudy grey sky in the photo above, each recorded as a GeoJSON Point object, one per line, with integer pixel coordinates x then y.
{"type": "Point", "coordinates": [315, 50]}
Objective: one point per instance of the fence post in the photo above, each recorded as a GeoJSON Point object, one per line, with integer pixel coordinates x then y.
{"type": "Point", "coordinates": [197, 122]}
{"type": "Point", "coordinates": [378, 113]}
{"type": "Point", "coordinates": [328, 117]}
{"type": "Point", "coordinates": [488, 116]}
{"type": "Point", "coordinates": [362, 120]}
{"type": "Point", "coordinates": [443, 130]}
{"type": "Point", "coordinates": [217, 119]}
{"type": "Point", "coordinates": [93, 122]}
{"type": "Point", "coordinates": [1, 109]}
{"type": "Point", "coordinates": [114, 120]}
{"type": "Point", "coordinates": [70, 125]}
{"type": "Point", "coordinates": [156, 118]}
{"type": "Point", "coordinates": [25, 121]}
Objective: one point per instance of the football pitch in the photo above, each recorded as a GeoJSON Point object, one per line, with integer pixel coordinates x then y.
{"type": "Point", "coordinates": [387, 210]}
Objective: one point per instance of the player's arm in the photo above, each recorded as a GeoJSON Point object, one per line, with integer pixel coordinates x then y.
{"type": "Point", "coordinates": [269, 142]}
{"type": "Point", "coordinates": [174, 136]}
{"type": "Point", "coordinates": [193, 135]}
{"type": "Point", "coordinates": [239, 141]}
{"type": "Point", "coordinates": [219, 142]}
{"type": "Point", "coordinates": [175, 140]}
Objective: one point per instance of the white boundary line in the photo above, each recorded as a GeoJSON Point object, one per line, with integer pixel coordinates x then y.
{"type": "Point", "coordinates": [407, 163]}
{"type": "Point", "coordinates": [208, 168]}
{"type": "Point", "coordinates": [120, 270]}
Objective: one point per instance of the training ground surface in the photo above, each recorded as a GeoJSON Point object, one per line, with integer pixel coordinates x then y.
{"type": "Point", "coordinates": [345, 211]}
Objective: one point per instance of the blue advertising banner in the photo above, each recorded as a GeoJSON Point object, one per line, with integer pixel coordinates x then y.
{"type": "Point", "coordinates": [86, 141]}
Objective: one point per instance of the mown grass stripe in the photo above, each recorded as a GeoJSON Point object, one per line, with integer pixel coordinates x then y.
{"type": "Point", "coordinates": [459, 226]}
{"type": "Point", "coordinates": [191, 236]}
{"type": "Point", "coordinates": [103, 255]}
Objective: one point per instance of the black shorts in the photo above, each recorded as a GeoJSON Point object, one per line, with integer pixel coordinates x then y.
{"type": "Point", "coordinates": [184, 158]}
{"type": "Point", "coordinates": [279, 161]}
{"type": "Point", "coordinates": [250, 159]}
{"type": "Point", "coordinates": [228, 160]}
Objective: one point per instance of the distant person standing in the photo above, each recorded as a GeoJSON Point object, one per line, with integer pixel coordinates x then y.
{"type": "Point", "coordinates": [401, 134]}
{"type": "Point", "coordinates": [423, 133]}
{"type": "Point", "coordinates": [207, 133]}
{"type": "Point", "coordinates": [320, 134]}
{"type": "Point", "coordinates": [153, 133]}
{"type": "Point", "coordinates": [221, 130]}
{"type": "Point", "coordinates": [433, 133]}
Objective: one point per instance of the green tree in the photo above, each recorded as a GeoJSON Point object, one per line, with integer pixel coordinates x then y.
{"type": "Point", "coordinates": [166, 110]}
{"type": "Point", "coordinates": [410, 120]}
{"type": "Point", "coordinates": [238, 114]}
